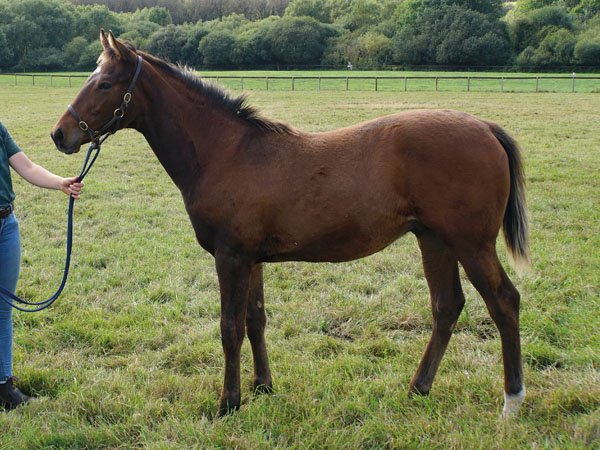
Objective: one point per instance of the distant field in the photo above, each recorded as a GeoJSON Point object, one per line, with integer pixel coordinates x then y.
{"type": "Point", "coordinates": [130, 356]}
{"type": "Point", "coordinates": [355, 81]}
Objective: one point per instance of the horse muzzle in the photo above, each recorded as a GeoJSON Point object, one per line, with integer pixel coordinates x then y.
{"type": "Point", "coordinates": [63, 144]}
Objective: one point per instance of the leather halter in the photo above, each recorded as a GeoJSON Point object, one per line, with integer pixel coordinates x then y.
{"type": "Point", "coordinates": [117, 114]}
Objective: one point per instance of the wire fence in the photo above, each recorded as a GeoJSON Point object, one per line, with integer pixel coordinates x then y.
{"type": "Point", "coordinates": [575, 83]}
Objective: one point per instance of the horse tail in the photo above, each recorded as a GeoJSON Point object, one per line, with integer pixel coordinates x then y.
{"type": "Point", "coordinates": [515, 225]}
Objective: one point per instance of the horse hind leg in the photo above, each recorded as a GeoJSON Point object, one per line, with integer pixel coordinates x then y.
{"type": "Point", "coordinates": [447, 301]}
{"type": "Point", "coordinates": [502, 300]}
{"type": "Point", "coordinates": [256, 320]}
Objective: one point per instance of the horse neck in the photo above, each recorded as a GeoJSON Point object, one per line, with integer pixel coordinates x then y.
{"type": "Point", "coordinates": [183, 128]}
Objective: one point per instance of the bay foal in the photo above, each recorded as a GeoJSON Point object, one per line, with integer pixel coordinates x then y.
{"type": "Point", "coordinates": [259, 191]}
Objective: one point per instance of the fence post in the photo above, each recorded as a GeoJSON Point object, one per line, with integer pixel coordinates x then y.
{"type": "Point", "coordinates": [468, 84]}
{"type": "Point", "coordinates": [16, 82]}
{"type": "Point", "coordinates": [537, 82]}
{"type": "Point", "coordinates": [436, 83]}
{"type": "Point", "coordinates": [69, 80]}
{"type": "Point", "coordinates": [573, 86]}
{"type": "Point", "coordinates": [33, 80]}
{"type": "Point", "coordinates": [51, 80]}
{"type": "Point", "coordinates": [405, 80]}
{"type": "Point", "coordinates": [293, 87]}
{"type": "Point", "coordinates": [319, 83]}
{"type": "Point", "coordinates": [267, 82]}
{"type": "Point", "coordinates": [376, 79]}
{"type": "Point", "coordinates": [242, 82]}
{"type": "Point", "coordinates": [502, 84]}
{"type": "Point", "coordinates": [346, 83]}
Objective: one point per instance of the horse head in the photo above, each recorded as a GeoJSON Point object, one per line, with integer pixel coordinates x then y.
{"type": "Point", "coordinates": [107, 88]}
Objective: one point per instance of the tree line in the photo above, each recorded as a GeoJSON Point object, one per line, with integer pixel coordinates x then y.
{"type": "Point", "coordinates": [531, 34]}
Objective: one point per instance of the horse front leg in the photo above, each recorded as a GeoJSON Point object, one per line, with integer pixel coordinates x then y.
{"type": "Point", "coordinates": [256, 320]}
{"type": "Point", "coordinates": [234, 281]}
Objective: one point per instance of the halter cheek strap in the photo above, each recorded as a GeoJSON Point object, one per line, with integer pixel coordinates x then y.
{"type": "Point", "coordinates": [117, 114]}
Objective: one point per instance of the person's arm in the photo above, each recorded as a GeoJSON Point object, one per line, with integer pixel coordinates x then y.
{"type": "Point", "coordinates": [41, 177]}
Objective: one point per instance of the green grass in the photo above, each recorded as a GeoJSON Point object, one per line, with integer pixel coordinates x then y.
{"type": "Point", "coordinates": [130, 355]}
{"type": "Point", "coordinates": [416, 81]}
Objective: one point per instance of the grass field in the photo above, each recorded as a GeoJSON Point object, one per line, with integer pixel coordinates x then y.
{"type": "Point", "coordinates": [281, 80]}
{"type": "Point", "coordinates": [130, 356]}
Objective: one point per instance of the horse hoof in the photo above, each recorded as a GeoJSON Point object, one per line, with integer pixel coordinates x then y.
{"type": "Point", "coordinates": [414, 390]}
{"type": "Point", "coordinates": [227, 410]}
{"type": "Point", "coordinates": [260, 388]}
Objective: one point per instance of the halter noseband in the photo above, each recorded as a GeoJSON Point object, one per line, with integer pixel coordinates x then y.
{"type": "Point", "coordinates": [95, 136]}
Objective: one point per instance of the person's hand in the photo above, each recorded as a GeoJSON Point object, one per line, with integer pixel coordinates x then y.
{"type": "Point", "coordinates": [70, 186]}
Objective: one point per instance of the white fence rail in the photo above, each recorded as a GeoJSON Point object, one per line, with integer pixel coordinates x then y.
{"type": "Point", "coordinates": [575, 83]}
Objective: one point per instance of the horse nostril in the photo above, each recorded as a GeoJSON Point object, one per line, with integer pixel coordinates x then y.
{"type": "Point", "coordinates": [57, 136]}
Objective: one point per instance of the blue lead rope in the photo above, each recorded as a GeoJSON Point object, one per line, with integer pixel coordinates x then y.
{"type": "Point", "coordinates": [46, 303]}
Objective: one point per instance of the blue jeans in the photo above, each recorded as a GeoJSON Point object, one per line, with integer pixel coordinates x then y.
{"type": "Point", "coordinates": [10, 262]}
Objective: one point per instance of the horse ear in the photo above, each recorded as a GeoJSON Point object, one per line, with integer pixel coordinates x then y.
{"type": "Point", "coordinates": [103, 39]}
{"type": "Point", "coordinates": [122, 51]}
{"type": "Point", "coordinates": [113, 44]}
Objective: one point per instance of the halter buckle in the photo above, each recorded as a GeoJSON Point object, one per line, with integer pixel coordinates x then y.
{"type": "Point", "coordinates": [127, 98]}
{"type": "Point", "coordinates": [119, 113]}
{"type": "Point", "coordinates": [83, 126]}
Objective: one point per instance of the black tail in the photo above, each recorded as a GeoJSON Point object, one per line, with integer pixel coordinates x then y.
{"type": "Point", "coordinates": [515, 225]}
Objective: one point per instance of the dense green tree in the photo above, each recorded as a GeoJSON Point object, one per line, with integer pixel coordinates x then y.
{"type": "Point", "coordinates": [217, 48]}
{"type": "Point", "coordinates": [73, 50]}
{"type": "Point", "coordinates": [24, 35]}
{"type": "Point", "coordinates": [368, 49]}
{"type": "Point", "coordinates": [411, 12]}
{"type": "Point", "coordinates": [557, 49]}
{"type": "Point", "coordinates": [139, 32]}
{"type": "Point", "coordinates": [487, 7]}
{"type": "Point", "coordinates": [299, 40]}
{"type": "Point", "coordinates": [317, 9]}
{"type": "Point", "coordinates": [89, 57]}
{"type": "Point", "coordinates": [160, 16]}
{"type": "Point", "coordinates": [89, 20]}
{"type": "Point", "coordinates": [6, 54]}
{"type": "Point", "coordinates": [587, 9]}
{"type": "Point", "coordinates": [526, 6]}
{"type": "Point", "coordinates": [42, 58]}
{"type": "Point", "coordinates": [361, 15]}
{"type": "Point", "coordinates": [168, 43]}
{"type": "Point", "coordinates": [366, 32]}
{"type": "Point", "coordinates": [530, 30]}
{"type": "Point", "coordinates": [190, 54]}
{"type": "Point", "coordinates": [551, 16]}
{"type": "Point", "coordinates": [53, 18]}
{"type": "Point", "coordinates": [31, 25]}
{"type": "Point", "coordinates": [587, 53]}
{"type": "Point", "coordinates": [452, 35]}
{"type": "Point", "coordinates": [253, 45]}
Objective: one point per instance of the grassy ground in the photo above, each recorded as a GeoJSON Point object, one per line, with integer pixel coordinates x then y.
{"type": "Point", "coordinates": [130, 355]}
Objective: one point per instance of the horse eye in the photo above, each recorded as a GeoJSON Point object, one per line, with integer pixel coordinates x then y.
{"type": "Point", "coordinates": [104, 87]}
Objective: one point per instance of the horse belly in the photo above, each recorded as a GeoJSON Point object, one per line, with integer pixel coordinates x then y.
{"type": "Point", "coordinates": [349, 239]}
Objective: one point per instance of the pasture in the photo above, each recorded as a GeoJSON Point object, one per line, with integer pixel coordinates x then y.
{"type": "Point", "coordinates": [130, 355]}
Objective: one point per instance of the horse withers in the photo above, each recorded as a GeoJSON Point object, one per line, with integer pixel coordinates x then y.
{"type": "Point", "coordinates": [258, 190]}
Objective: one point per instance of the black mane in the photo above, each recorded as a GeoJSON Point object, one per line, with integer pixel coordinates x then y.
{"type": "Point", "coordinates": [219, 96]}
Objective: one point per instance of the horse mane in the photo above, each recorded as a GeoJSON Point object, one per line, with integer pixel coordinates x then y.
{"type": "Point", "coordinates": [216, 94]}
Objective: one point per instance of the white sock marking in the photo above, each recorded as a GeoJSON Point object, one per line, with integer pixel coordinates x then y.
{"type": "Point", "coordinates": [512, 402]}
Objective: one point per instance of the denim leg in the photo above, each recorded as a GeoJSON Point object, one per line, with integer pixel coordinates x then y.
{"type": "Point", "coordinates": [10, 261]}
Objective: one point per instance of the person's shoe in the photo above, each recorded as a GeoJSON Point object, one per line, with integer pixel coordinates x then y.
{"type": "Point", "coordinates": [11, 396]}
